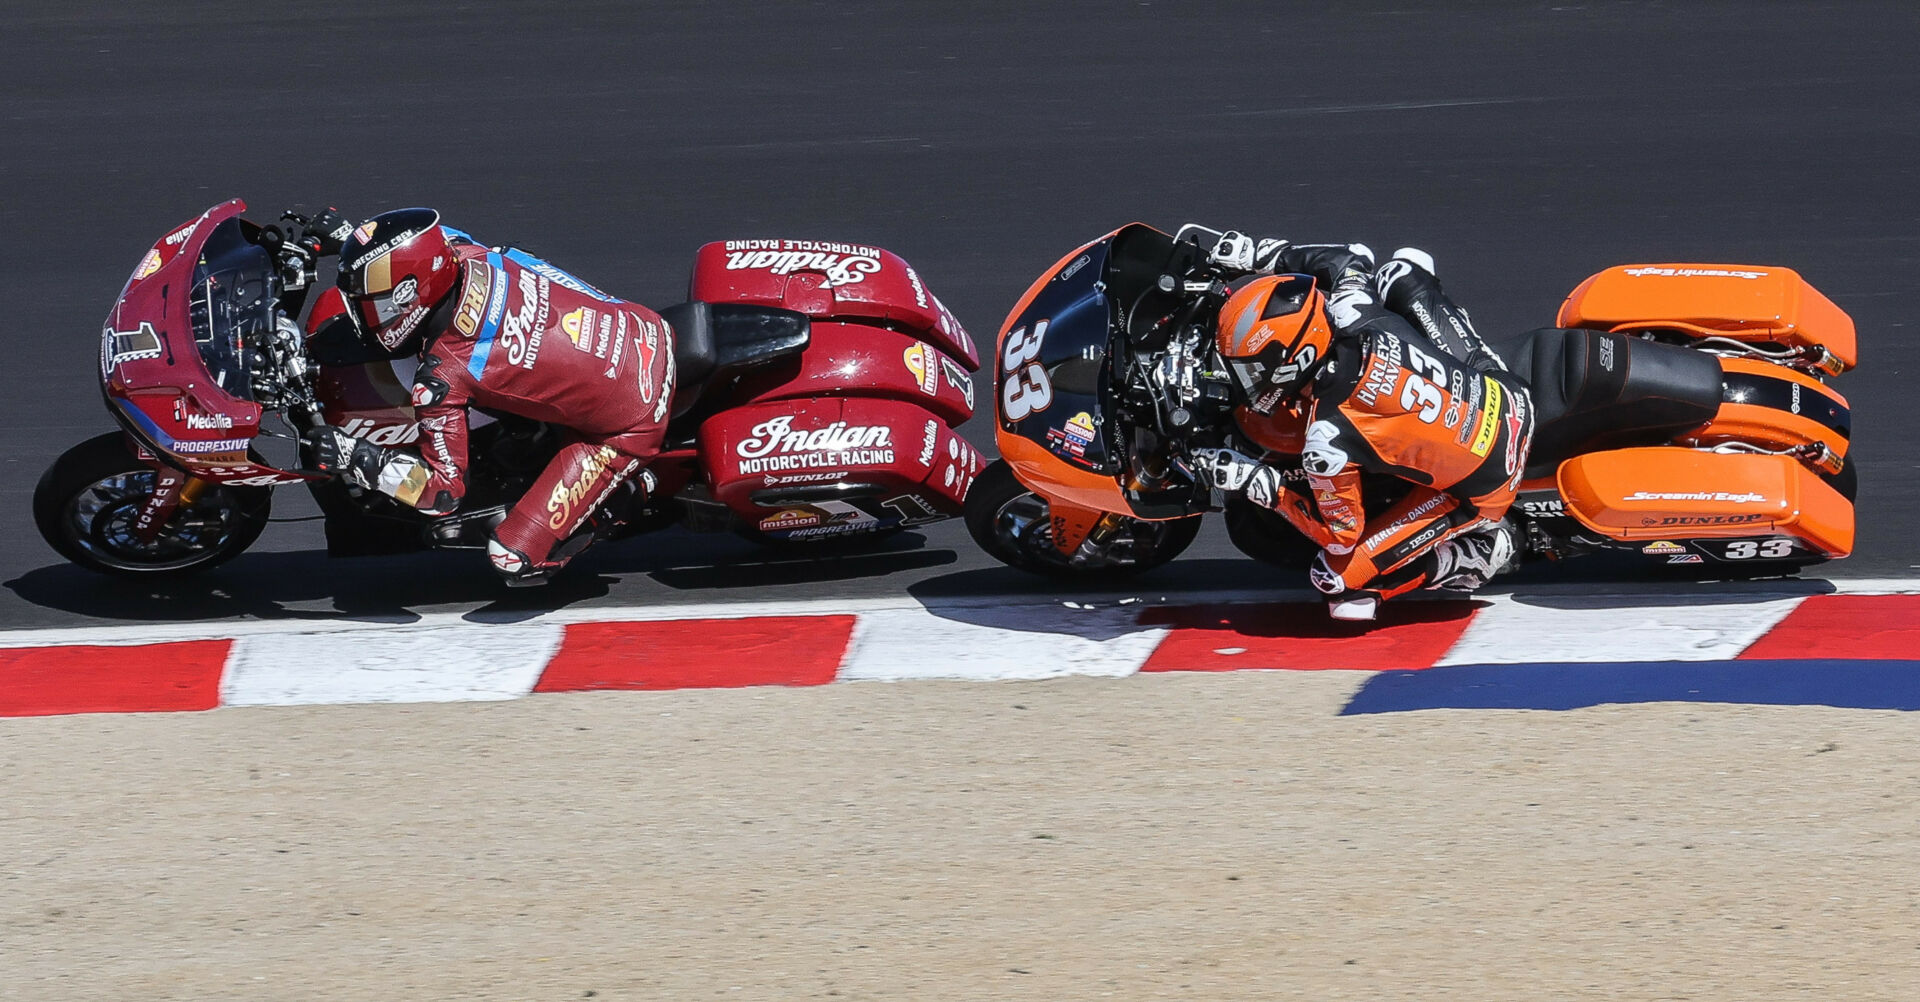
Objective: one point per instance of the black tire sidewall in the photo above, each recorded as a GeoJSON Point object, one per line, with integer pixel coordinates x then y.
{"type": "Point", "coordinates": [996, 486]}
{"type": "Point", "coordinates": [105, 456]}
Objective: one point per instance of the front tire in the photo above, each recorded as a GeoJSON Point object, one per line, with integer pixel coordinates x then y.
{"type": "Point", "coordinates": [1010, 522]}
{"type": "Point", "coordinates": [1267, 536]}
{"type": "Point", "coordinates": [86, 503]}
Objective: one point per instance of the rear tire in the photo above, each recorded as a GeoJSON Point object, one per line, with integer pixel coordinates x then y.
{"type": "Point", "coordinates": [85, 504]}
{"type": "Point", "coordinates": [1010, 522]}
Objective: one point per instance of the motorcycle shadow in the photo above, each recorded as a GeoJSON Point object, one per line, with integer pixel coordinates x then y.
{"type": "Point", "coordinates": [308, 585]}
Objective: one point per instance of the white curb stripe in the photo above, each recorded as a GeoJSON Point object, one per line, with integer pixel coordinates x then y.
{"type": "Point", "coordinates": [434, 664]}
{"type": "Point", "coordinates": [990, 644]}
{"type": "Point", "coordinates": [1600, 629]}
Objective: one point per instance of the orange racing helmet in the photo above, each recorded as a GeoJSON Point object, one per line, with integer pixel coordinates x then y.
{"type": "Point", "coordinates": [1273, 334]}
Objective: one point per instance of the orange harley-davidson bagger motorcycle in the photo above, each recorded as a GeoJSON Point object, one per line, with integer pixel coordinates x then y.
{"type": "Point", "coordinates": [1683, 415]}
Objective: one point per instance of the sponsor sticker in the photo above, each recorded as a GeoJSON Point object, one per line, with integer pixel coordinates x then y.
{"type": "Point", "coordinates": [148, 265]}
{"type": "Point", "coordinates": [1693, 273]}
{"type": "Point", "coordinates": [1726, 496]}
{"type": "Point", "coordinates": [1074, 436]}
{"type": "Point", "coordinates": [927, 447]}
{"type": "Point", "coordinates": [791, 518]}
{"type": "Point", "coordinates": [775, 445]}
{"type": "Point", "coordinates": [208, 422]}
{"type": "Point", "coordinates": [1489, 421]}
{"type": "Point", "coordinates": [473, 301]}
{"type": "Point", "coordinates": [842, 264]}
{"type": "Point", "coordinates": [1662, 548]}
{"type": "Point", "coordinates": [919, 360]}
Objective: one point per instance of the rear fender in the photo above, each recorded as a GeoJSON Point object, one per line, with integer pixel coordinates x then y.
{"type": "Point", "coordinates": [1666, 493]}
{"type": "Point", "coordinates": [827, 281]}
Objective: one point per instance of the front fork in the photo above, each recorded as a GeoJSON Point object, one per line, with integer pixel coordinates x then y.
{"type": "Point", "coordinates": [171, 489]}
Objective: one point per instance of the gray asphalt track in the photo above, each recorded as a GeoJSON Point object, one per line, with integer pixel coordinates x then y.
{"type": "Point", "coordinates": [1526, 145]}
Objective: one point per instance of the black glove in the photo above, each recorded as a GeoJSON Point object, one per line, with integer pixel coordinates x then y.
{"type": "Point", "coordinates": [329, 230]}
{"type": "Point", "coordinates": [338, 454]}
{"type": "Point", "coordinates": [319, 235]}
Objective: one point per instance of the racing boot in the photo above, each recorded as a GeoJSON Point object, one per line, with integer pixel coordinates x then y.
{"type": "Point", "coordinates": [1466, 562]}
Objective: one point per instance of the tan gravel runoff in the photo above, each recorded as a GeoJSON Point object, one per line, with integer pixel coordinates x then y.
{"type": "Point", "coordinates": [1190, 836]}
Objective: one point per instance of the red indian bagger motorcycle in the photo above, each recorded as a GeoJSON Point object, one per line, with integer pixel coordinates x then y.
{"type": "Point", "coordinates": [818, 388]}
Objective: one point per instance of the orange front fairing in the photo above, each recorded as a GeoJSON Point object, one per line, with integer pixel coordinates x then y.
{"type": "Point", "coordinates": [1058, 481]}
{"type": "Point", "coordinates": [1665, 492]}
{"type": "Point", "coordinates": [1747, 302]}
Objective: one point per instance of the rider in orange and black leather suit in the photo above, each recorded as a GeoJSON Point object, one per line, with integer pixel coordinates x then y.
{"type": "Point", "coordinates": [1318, 360]}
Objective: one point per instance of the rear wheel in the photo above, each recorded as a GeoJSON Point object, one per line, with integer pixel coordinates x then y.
{"type": "Point", "coordinates": [1010, 522]}
{"type": "Point", "coordinates": [86, 503]}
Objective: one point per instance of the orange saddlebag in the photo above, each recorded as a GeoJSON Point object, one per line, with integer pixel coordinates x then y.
{"type": "Point", "coordinates": [1664, 492]}
{"type": "Point", "coordinates": [1713, 300]}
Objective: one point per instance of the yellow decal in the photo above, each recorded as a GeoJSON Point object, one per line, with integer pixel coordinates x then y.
{"type": "Point", "coordinates": [578, 323]}
{"type": "Point", "coordinates": [919, 360]}
{"type": "Point", "coordinates": [473, 304]}
{"type": "Point", "coordinates": [1489, 420]}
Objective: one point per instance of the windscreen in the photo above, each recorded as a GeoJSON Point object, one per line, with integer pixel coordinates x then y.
{"type": "Point", "coordinates": [231, 305]}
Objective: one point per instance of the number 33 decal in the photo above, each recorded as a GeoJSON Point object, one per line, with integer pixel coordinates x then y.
{"type": "Point", "coordinates": [1026, 389]}
{"type": "Point", "coordinates": [1747, 549]}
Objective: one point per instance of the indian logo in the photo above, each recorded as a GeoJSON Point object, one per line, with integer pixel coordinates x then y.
{"type": "Point", "coordinates": [842, 264]}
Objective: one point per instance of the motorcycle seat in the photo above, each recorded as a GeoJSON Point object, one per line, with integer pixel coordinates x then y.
{"type": "Point", "coordinates": [1596, 390]}
{"type": "Point", "coordinates": [715, 343]}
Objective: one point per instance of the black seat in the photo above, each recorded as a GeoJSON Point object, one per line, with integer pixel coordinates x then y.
{"type": "Point", "coordinates": [715, 343]}
{"type": "Point", "coordinates": [1597, 390]}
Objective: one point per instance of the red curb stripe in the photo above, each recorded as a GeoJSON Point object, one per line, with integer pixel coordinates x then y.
{"type": "Point", "coordinates": [1300, 635]}
{"type": "Point", "coordinates": [152, 678]}
{"type": "Point", "coordinates": [699, 654]}
{"type": "Point", "coordinates": [1833, 627]}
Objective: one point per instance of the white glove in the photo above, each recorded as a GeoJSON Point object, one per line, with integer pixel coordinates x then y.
{"type": "Point", "coordinates": [1236, 251]}
{"type": "Point", "coordinates": [1265, 487]}
{"type": "Point", "coordinates": [1223, 469]}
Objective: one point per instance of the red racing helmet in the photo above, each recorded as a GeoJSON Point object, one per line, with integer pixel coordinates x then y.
{"type": "Point", "coordinates": [394, 269]}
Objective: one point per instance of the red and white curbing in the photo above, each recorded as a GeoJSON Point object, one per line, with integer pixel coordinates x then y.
{"type": "Point", "coordinates": [450, 658]}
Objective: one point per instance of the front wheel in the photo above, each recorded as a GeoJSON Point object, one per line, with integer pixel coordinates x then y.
{"type": "Point", "coordinates": [86, 503]}
{"type": "Point", "coordinates": [1010, 523]}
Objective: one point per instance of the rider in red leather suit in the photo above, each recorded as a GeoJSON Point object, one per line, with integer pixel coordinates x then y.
{"type": "Point", "coordinates": [502, 330]}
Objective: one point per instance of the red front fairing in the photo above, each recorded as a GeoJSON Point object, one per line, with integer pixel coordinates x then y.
{"type": "Point", "coordinates": [156, 382]}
